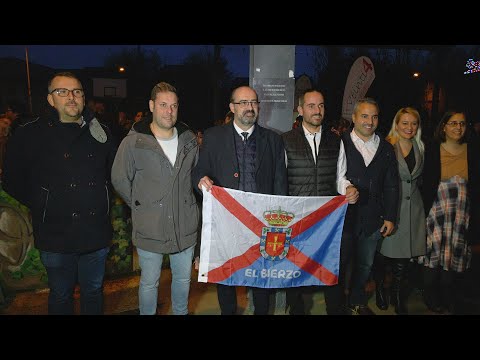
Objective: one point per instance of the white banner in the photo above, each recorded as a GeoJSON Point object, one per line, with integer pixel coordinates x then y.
{"type": "Point", "coordinates": [359, 79]}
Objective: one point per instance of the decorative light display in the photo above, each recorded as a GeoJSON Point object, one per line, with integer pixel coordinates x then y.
{"type": "Point", "coordinates": [472, 66]}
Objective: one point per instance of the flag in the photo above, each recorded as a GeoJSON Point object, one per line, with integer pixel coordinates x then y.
{"type": "Point", "coordinates": [270, 241]}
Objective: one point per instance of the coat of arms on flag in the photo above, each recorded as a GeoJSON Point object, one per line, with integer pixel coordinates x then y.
{"type": "Point", "coordinates": [270, 241]}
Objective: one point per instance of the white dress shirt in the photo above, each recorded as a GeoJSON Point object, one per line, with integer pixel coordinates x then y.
{"type": "Point", "coordinates": [366, 148]}
{"type": "Point", "coordinates": [240, 131]}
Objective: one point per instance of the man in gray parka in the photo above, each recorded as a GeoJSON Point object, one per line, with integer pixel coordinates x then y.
{"type": "Point", "coordinates": [152, 173]}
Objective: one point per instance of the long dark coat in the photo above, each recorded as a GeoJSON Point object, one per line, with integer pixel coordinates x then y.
{"type": "Point", "coordinates": [62, 173]}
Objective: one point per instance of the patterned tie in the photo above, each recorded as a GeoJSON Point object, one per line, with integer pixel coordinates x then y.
{"type": "Point", "coordinates": [245, 136]}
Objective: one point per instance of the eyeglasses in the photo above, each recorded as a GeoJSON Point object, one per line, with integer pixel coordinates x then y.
{"type": "Point", "coordinates": [456, 123]}
{"type": "Point", "coordinates": [244, 103]}
{"type": "Point", "coordinates": [65, 92]}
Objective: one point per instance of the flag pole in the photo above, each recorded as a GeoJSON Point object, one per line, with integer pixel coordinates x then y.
{"type": "Point", "coordinates": [28, 83]}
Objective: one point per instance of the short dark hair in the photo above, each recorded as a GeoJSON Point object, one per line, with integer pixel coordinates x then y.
{"type": "Point", "coordinates": [64, 74]}
{"type": "Point", "coordinates": [162, 87]}
{"type": "Point", "coordinates": [301, 98]}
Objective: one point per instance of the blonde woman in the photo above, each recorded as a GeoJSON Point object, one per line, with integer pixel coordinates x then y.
{"type": "Point", "coordinates": [408, 241]}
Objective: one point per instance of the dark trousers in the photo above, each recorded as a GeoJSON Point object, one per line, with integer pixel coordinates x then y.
{"type": "Point", "coordinates": [336, 295]}
{"type": "Point", "coordinates": [227, 298]}
{"type": "Point", "coordinates": [400, 269]}
{"type": "Point", "coordinates": [294, 298]}
{"type": "Point", "coordinates": [441, 287]}
{"type": "Point", "coordinates": [63, 271]}
{"type": "Point", "coordinates": [365, 249]}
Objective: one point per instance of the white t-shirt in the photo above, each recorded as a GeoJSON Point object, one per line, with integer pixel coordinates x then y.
{"type": "Point", "coordinates": [169, 146]}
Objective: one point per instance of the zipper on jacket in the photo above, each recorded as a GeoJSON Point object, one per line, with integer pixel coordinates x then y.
{"type": "Point", "coordinates": [45, 203]}
{"type": "Point", "coordinates": [108, 200]}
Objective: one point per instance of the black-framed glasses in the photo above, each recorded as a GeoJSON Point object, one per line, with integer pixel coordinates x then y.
{"type": "Point", "coordinates": [245, 103]}
{"type": "Point", "coordinates": [62, 92]}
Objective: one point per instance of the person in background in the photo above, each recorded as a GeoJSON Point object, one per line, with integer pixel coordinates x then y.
{"type": "Point", "coordinates": [316, 166]}
{"type": "Point", "coordinates": [372, 168]}
{"type": "Point", "coordinates": [297, 122]}
{"type": "Point", "coordinates": [124, 123]}
{"type": "Point", "coordinates": [245, 156]}
{"type": "Point", "coordinates": [228, 117]}
{"type": "Point", "coordinates": [99, 110]}
{"type": "Point", "coordinates": [138, 116]}
{"type": "Point", "coordinates": [12, 112]}
{"type": "Point", "coordinates": [4, 130]}
{"type": "Point", "coordinates": [200, 137]}
{"type": "Point", "coordinates": [408, 240]}
{"type": "Point", "coordinates": [342, 126]}
{"type": "Point", "coordinates": [476, 128]}
{"type": "Point", "coordinates": [152, 173]}
{"type": "Point", "coordinates": [91, 105]}
{"type": "Point", "coordinates": [59, 166]}
{"type": "Point", "coordinates": [451, 199]}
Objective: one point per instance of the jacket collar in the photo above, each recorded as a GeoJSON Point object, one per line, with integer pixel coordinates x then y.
{"type": "Point", "coordinates": [52, 115]}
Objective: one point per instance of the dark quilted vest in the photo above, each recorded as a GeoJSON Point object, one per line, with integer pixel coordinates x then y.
{"type": "Point", "coordinates": [246, 155]}
{"type": "Point", "coordinates": [305, 178]}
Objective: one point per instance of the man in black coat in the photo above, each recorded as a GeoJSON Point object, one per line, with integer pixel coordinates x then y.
{"type": "Point", "coordinates": [372, 168]}
{"type": "Point", "coordinates": [59, 166]}
{"type": "Point", "coordinates": [245, 156]}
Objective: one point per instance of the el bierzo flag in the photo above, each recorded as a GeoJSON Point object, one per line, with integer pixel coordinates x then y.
{"type": "Point", "coordinates": [270, 241]}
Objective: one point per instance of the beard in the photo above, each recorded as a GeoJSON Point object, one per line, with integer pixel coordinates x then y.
{"type": "Point", "coordinates": [314, 122]}
{"type": "Point", "coordinates": [245, 120]}
{"type": "Point", "coordinates": [70, 112]}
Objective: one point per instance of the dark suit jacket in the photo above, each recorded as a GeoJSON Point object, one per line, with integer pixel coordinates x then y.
{"type": "Point", "coordinates": [218, 160]}
{"type": "Point", "coordinates": [377, 183]}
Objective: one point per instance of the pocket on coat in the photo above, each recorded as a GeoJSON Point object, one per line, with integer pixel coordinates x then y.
{"type": "Point", "coordinates": [191, 217]}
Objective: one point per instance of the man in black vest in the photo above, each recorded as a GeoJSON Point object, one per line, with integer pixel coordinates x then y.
{"type": "Point", "coordinates": [316, 166]}
{"type": "Point", "coordinates": [372, 168]}
{"type": "Point", "coordinates": [245, 156]}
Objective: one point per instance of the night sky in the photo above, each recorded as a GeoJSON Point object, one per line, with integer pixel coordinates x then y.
{"type": "Point", "coordinates": [79, 56]}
